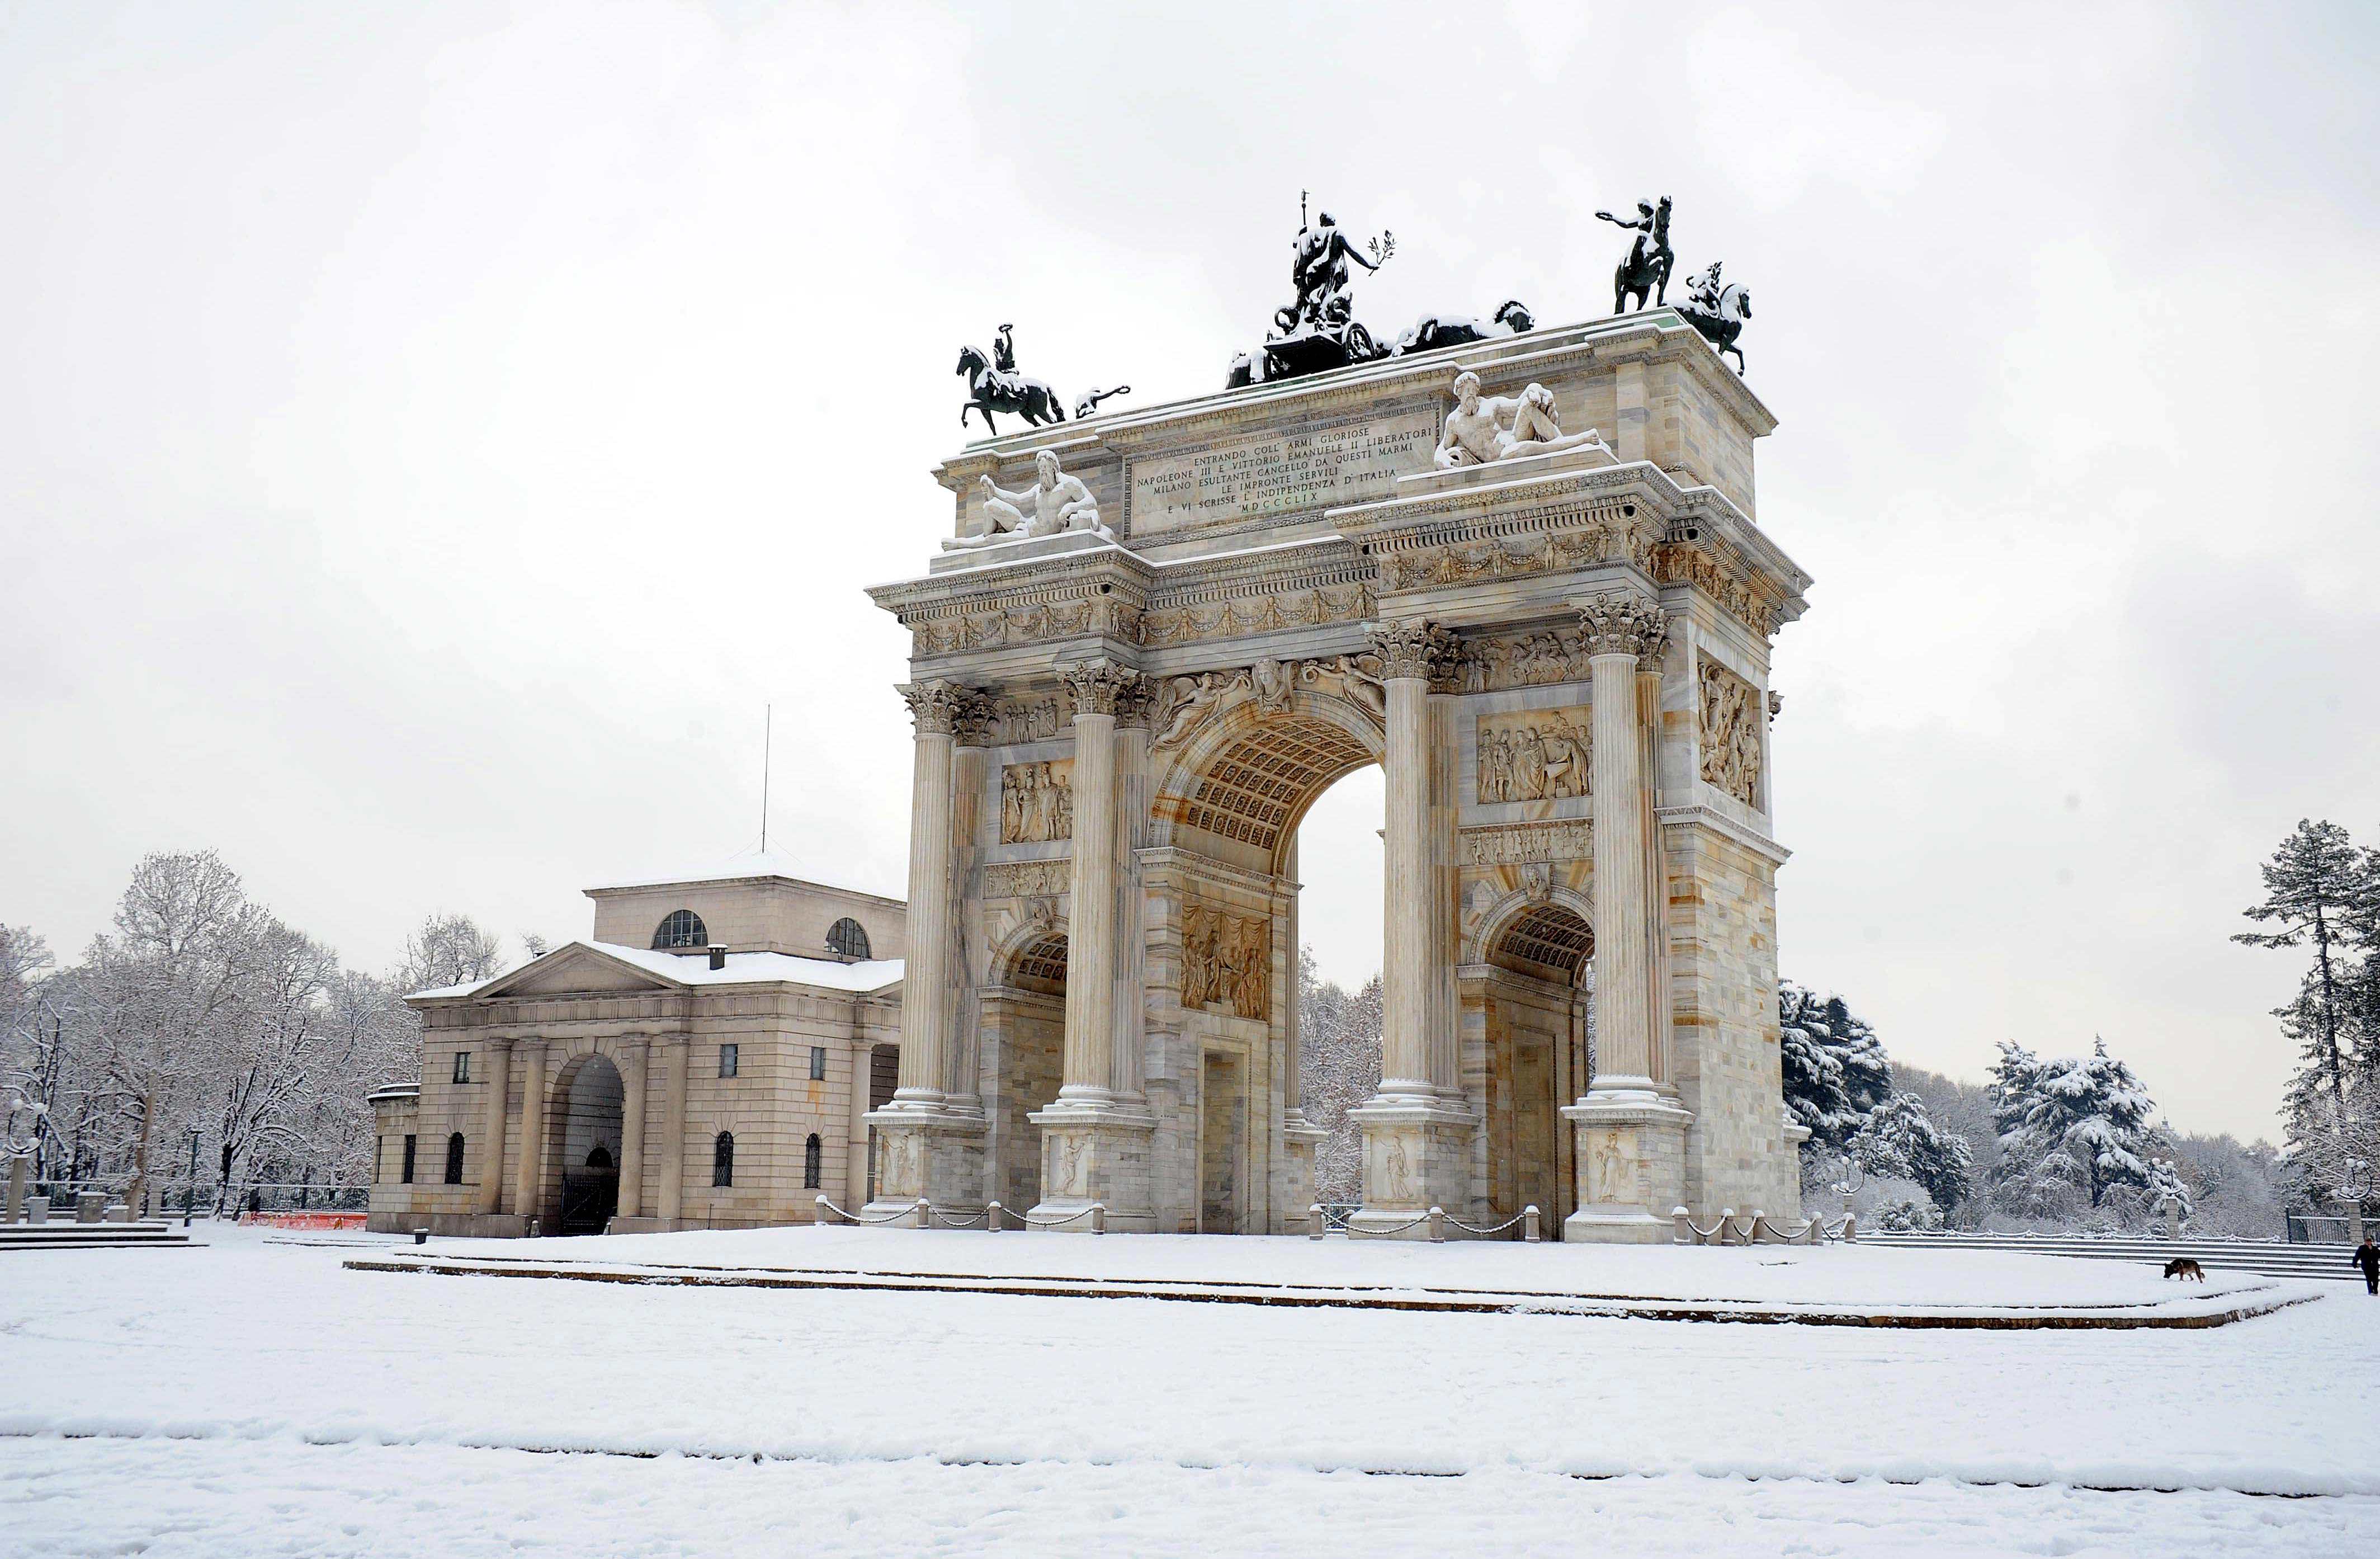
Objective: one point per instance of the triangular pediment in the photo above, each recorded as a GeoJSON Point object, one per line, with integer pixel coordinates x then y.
{"type": "Point", "coordinates": [575, 969]}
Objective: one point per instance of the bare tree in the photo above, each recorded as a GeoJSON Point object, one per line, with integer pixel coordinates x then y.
{"type": "Point", "coordinates": [447, 950]}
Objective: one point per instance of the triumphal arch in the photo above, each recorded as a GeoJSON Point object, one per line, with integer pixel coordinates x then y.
{"type": "Point", "coordinates": [1155, 636]}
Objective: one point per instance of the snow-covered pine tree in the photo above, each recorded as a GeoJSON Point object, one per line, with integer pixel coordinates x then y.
{"type": "Point", "coordinates": [1900, 1140]}
{"type": "Point", "coordinates": [2080, 1127]}
{"type": "Point", "coordinates": [1836, 1072]}
{"type": "Point", "coordinates": [2324, 894]}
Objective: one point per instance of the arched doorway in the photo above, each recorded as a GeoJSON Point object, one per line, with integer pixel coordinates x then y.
{"type": "Point", "coordinates": [585, 1142]}
{"type": "Point", "coordinates": [1024, 1032]}
{"type": "Point", "coordinates": [1531, 1011]}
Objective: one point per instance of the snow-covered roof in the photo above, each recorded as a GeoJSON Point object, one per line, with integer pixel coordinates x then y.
{"type": "Point", "coordinates": [694, 969]}
{"type": "Point", "coordinates": [736, 868]}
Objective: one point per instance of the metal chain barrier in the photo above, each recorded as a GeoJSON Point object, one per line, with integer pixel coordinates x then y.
{"type": "Point", "coordinates": [827, 1206]}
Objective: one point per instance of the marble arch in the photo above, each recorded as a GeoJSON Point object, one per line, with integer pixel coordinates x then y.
{"type": "Point", "coordinates": [1121, 723]}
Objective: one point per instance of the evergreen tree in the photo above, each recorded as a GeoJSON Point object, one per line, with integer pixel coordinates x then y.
{"type": "Point", "coordinates": [2078, 1126]}
{"type": "Point", "coordinates": [1836, 1072]}
{"type": "Point", "coordinates": [2324, 893]}
{"type": "Point", "coordinates": [1900, 1140]}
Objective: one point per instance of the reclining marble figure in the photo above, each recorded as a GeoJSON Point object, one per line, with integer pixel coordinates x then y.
{"type": "Point", "coordinates": [1057, 501]}
{"type": "Point", "coordinates": [1482, 429]}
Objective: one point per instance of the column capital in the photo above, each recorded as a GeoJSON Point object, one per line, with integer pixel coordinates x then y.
{"type": "Point", "coordinates": [1101, 687]}
{"type": "Point", "coordinates": [1411, 647]}
{"type": "Point", "coordinates": [946, 709]}
{"type": "Point", "coordinates": [1624, 622]}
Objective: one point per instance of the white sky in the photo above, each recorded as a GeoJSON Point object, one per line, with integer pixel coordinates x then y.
{"type": "Point", "coordinates": [429, 435]}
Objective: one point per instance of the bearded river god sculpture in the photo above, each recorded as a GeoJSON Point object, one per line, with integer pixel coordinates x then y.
{"type": "Point", "coordinates": [1484, 428]}
{"type": "Point", "coordinates": [1055, 502]}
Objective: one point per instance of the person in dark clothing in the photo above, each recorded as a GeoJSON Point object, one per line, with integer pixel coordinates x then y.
{"type": "Point", "coordinates": [2367, 1256]}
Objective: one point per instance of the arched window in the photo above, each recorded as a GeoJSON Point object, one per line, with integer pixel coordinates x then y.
{"type": "Point", "coordinates": [722, 1159]}
{"type": "Point", "coordinates": [454, 1159]}
{"type": "Point", "coordinates": [847, 939]}
{"type": "Point", "coordinates": [598, 1157]}
{"type": "Point", "coordinates": [682, 928]}
{"type": "Point", "coordinates": [813, 1162]}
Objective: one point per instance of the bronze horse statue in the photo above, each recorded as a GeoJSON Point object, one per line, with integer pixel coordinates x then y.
{"type": "Point", "coordinates": [990, 390]}
{"type": "Point", "coordinates": [1720, 326]}
{"type": "Point", "coordinates": [1433, 331]}
{"type": "Point", "coordinates": [1645, 268]}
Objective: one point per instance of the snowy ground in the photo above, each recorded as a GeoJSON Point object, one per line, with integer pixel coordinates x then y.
{"type": "Point", "coordinates": [256, 1399]}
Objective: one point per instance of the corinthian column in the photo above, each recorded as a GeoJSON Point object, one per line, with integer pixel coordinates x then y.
{"type": "Point", "coordinates": [1620, 628]}
{"type": "Point", "coordinates": [1414, 655]}
{"type": "Point", "coordinates": [1088, 1063]}
{"type": "Point", "coordinates": [928, 981]}
{"type": "Point", "coordinates": [1631, 1141]}
{"type": "Point", "coordinates": [1414, 1135]}
{"type": "Point", "coordinates": [917, 1163]}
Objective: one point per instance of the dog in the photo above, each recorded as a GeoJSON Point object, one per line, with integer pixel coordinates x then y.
{"type": "Point", "coordinates": [2182, 1266]}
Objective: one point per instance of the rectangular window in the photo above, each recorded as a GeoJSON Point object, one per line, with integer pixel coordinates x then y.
{"type": "Point", "coordinates": [408, 1176]}
{"type": "Point", "coordinates": [817, 1064]}
{"type": "Point", "coordinates": [379, 1158]}
{"type": "Point", "coordinates": [462, 1065]}
{"type": "Point", "coordinates": [727, 1061]}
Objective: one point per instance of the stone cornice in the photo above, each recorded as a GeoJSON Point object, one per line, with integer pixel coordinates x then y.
{"type": "Point", "coordinates": [1720, 822]}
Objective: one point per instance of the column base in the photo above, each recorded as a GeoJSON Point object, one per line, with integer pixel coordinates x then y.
{"type": "Point", "coordinates": [1096, 1153]}
{"type": "Point", "coordinates": [931, 1151]}
{"type": "Point", "coordinates": [1417, 1156]}
{"type": "Point", "coordinates": [1632, 1166]}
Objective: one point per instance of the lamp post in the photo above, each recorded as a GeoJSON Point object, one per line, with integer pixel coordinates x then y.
{"type": "Point", "coordinates": [1854, 1176]}
{"type": "Point", "coordinates": [191, 1182]}
{"type": "Point", "coordinates": [2354, 1185]}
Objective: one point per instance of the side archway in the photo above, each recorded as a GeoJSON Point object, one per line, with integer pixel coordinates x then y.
{"type": "Point", "coordinates": [584, 1128]}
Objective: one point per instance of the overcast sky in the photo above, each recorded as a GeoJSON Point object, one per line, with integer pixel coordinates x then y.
{"type": "Point", "coordinates": [429, 435]}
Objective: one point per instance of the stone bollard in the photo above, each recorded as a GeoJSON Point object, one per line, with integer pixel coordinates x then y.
{"type": "Point", "coordinates": [1314, 1222]}
{"type": "Point", "coordinates": [1529, 1234]}
{"type": "Point", "coordinates": [16, 1191]}
{"type": "Point", "coordinates": [89, 1206]}
{"type": "Point", "coordinates": [925, 1214]}
{"type": "Point", "coordinates": [824, 1207]}
{"type": "Point", "coordinates": [1754, 1232]}
{"type": "Point", "coordinates": [37, 1210]}
{"type": "Point", "coordinates": [421, 1237]}
{"type": "Point", "coordinates": [1098, 1217]}
{"type": "Point", "coordinates": [118, 1212]}
{"type": "Point", "coordinates": [1437, 1226]}
{"type": "Point", "coordinates": [991, 1217]}
{"type": "Point", "coordinates": [1851, 1229]}
{"type": "Point", "coordinates": [533, 1228]}
{"type": "Point", "coordinates": [1681, 1227]}
{"type": "Point", "coordinates": [1727, 1225]}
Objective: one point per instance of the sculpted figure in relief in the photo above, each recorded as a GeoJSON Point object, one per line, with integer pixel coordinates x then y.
{"type": "Point", "coordinates": [1226, 960]}
{"type": "Point", "coordinates": [1483, 429]}
{"type": "Point", "coordinates": [1535, 758]}
{"type": "Point", "coordinates": [1730, 733]}
{"type": "Point", "coordinates": [1057, 501]}
{"type": "Point", "coordinates": [1608, 1173]}
{"type": "Point", "coordinates": [1036, 803]}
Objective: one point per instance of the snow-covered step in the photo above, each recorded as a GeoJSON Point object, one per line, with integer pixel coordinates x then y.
{"type": "Point", "coordinates": [2265, 1259]}
{"type": "Point", "coordinates": [81, 1237]}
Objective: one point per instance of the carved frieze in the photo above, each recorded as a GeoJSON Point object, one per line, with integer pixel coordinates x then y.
{"type": "Point", "coordinates": [1226, 961]}
{"type": "Point", "coordinates": [1730, 736]}
{"type": "Point", "coordinates": [1037, 802]}
{"type": "Point", "coordinates": [1026, 879]}
{"type": "Point", "coordinates": [1182, 704]}
{"type": "Point", "coordinates": [1673, 564]}
{"type": "Point", "coordinates": [1528, 660]}
{"type": "Point", "coordinates": [1534, 755]}
{"type": "Point", "coordinates": [1016, 720]}
{"type": "Point", "coordinates": [1519, 843]}
{"type": "Point", "coordinates": [1239, 616]}
{"type": "Point", "coordinates": [1002, 626]}
{"type": "Point", "coordinates": [1612, 535]}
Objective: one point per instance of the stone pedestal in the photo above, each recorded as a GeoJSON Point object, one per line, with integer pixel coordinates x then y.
{"type": "Point", "coordinates": [1417, 1156]}
{"type": "Point", "coordinates": [936, 1155]}
{"type": "Point", "coordinates": [16, 1191]}
{"type": "Point", "coordinates": [1096, 1156]}
{"type": "Point", "coordinates": [1632, 1167]}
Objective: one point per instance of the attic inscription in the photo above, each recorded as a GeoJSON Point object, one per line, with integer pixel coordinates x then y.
{"type": "Point", "coordinates": [1281, 474]}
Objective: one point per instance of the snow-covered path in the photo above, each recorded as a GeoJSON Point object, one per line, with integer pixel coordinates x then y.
{"type": "Point", "coordinates": [250, 1398]}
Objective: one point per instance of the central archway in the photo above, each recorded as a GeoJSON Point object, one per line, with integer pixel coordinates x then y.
{"type": "Point", "coordinates": [584, 1131]}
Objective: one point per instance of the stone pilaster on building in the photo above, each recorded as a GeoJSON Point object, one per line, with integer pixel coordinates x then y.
{"type": "Point", "coordinates": [1631, 1137]}
{"type": "Point", "coordinates": [928, 1134]}
{"type": "Point", "coordinates": [1096, 1134]}
{"type": "Point", "coordinates": [490, 1198]}
{"type": "Point", "coordinates": [1417, 1129]}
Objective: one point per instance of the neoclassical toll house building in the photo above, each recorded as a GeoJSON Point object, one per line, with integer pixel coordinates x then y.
{"type": "Point", "coordinates": [704, 1060]}
{"type": "Point", "coordinates": [1155, 636]}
